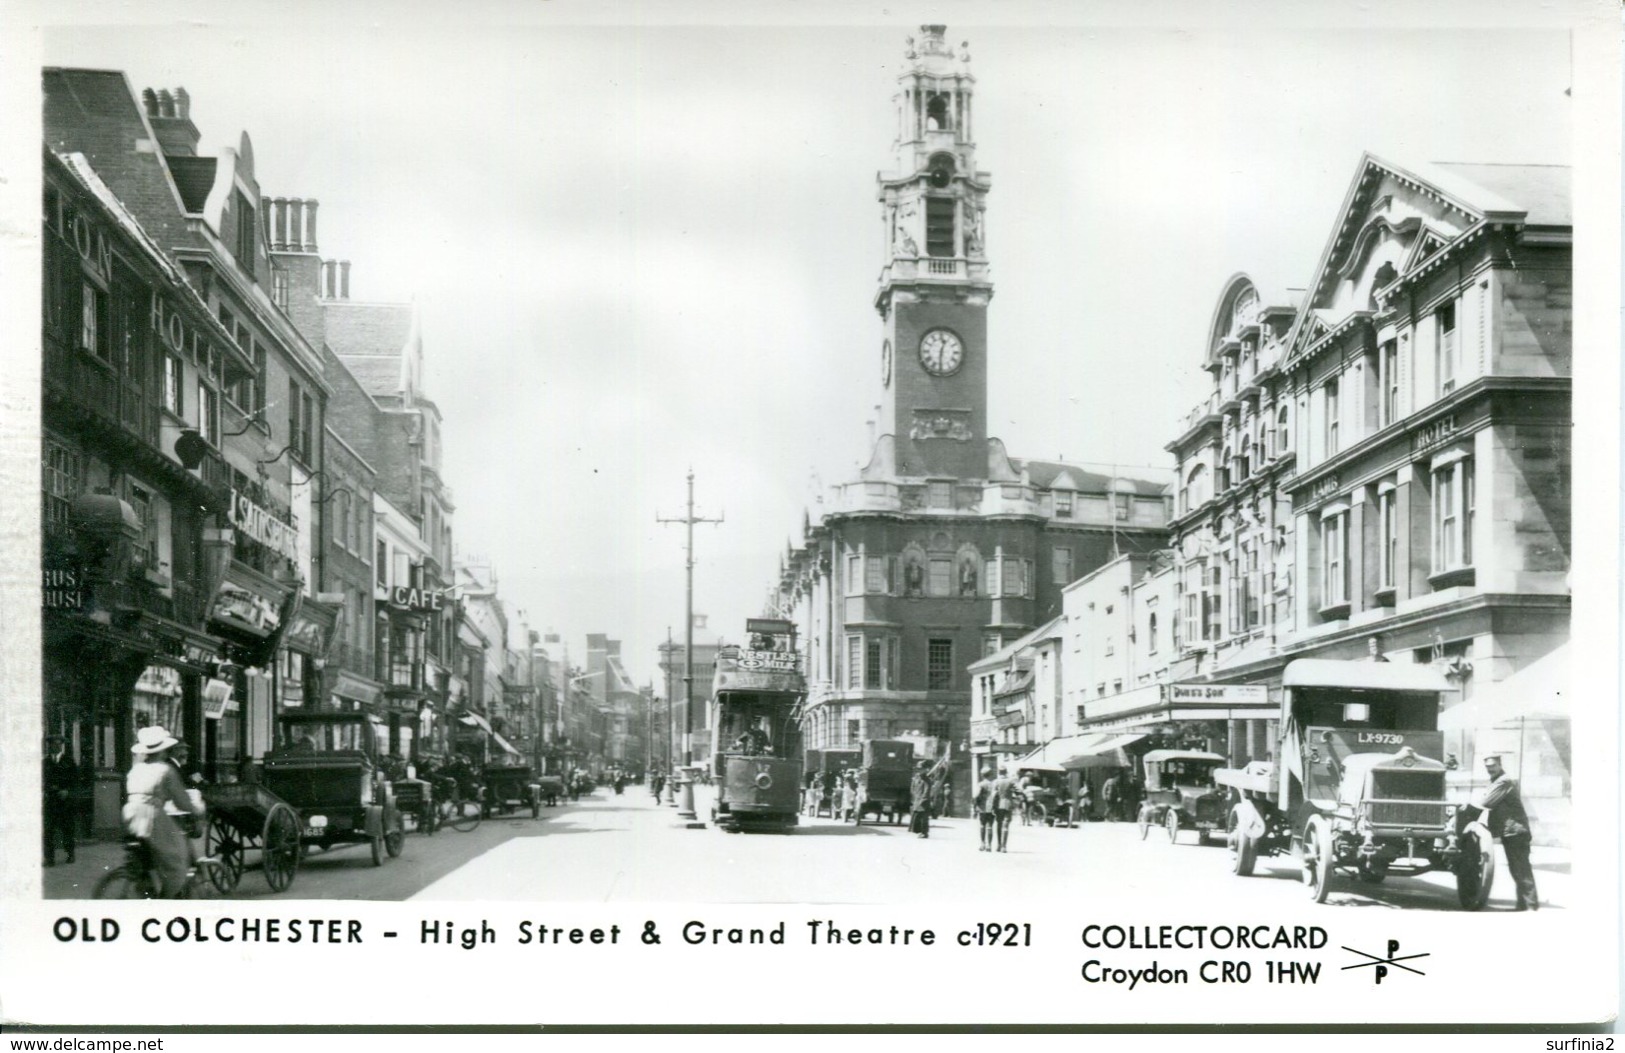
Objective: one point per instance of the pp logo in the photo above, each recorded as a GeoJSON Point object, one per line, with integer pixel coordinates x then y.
{"type": "Point", "coordinates": [1379, 966]}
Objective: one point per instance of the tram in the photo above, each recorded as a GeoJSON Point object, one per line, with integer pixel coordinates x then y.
{"type": "Point", "coordinates": [756, 752]}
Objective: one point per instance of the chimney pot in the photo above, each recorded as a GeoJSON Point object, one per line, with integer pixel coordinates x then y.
{"type": "Point", "coordinates": [329, 278]}
{"type": "Point", "coordinates": [344, 280]}
{"type": "Point", "coordinates": [166, 103]}
{"type": "Point", "coordinates": [296, 224]}
{"type": "Point", "coordinates": [183, 104]}
{"type": "Point", "coordinates": [310, 232]}
{"type": "Point", "coordinates": [150, 98]}
{"type": "Point", "coordinates": [281, 223]}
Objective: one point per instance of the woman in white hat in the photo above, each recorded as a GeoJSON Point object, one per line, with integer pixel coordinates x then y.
{"type": "Point", "coordinates": [152, 783]}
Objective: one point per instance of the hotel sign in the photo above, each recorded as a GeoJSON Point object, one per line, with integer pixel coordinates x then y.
{"type": "Point", "coordinates": [1218, 694]}
{"type": "Point", "coordinates": [1431, 435]}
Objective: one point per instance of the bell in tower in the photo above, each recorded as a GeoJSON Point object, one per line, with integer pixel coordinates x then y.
{"type": "Point", "coordinates": [934, 286]}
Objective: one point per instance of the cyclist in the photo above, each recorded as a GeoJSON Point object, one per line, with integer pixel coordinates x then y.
{"type": "Point", "coordinates": [152, 783]}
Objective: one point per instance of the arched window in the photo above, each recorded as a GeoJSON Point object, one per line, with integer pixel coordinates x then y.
{"type": "Point", "coordinates": [1196, 487]}
{"type": "Point", "coordinates": [1244, 462]}
{"type": "Point", "coordinates": [1225, 471]}
{"type": "Point", "coordinates": [1283, 436]}
{"type": "Point", "coordinates": [936, 113]}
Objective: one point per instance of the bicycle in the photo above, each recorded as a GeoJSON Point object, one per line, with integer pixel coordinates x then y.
{"type": "Point", "coordinates": [137, 877]}
{"type": "Point", "coordinates": [458, 812]}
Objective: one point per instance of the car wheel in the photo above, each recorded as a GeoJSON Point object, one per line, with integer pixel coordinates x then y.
{"type": "Point", "coordinates": [1475, 873]}
{"type": "Point", "coordinates": [395, 840]}
{"type": "Point", "coordinates": [1317, 860]}
{"type": "Point", "coordinates": [377, 843]}
{"type": "Point", "coordinates": [1144, 822]}
{"type": "Point", "coordinates": [1243, 849]}
{"type": "Point", "coordinates": [1172, 823]}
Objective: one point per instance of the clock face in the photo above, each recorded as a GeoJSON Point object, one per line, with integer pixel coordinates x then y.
{"type": "Point", "coordinates": [885, 364]}
{"type": "Point", "coordinates": [941, 352]}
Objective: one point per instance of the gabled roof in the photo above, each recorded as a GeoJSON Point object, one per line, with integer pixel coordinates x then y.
{"type": "Point", "coordinates": [1476, 192]}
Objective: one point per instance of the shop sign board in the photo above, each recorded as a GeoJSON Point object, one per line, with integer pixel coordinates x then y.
{"type": "Point", "coordinates": [1218, 694]}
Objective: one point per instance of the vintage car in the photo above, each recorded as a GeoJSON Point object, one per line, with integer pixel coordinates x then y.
{"type": "Point", "coordinates": [1051, 795]}
{"type": "Point", "coordinates": [1180, 793]}
{"type": "Point", "coordinates": [509, 787]}
{"type": "Point", "coordinates": [325, 767]}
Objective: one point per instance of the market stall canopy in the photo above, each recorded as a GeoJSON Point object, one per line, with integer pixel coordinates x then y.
{"type": "Point", "coordinates": [1538, 691]}
{"type": "Point", "coordinates": [1099, 750]}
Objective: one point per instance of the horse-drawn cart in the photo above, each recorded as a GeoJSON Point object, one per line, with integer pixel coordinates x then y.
{"type": "Point", "coordinates": [244, 816]}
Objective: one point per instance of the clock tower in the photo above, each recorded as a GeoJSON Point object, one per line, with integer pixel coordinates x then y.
{"type": "Point", "coordinates": [934, 286]}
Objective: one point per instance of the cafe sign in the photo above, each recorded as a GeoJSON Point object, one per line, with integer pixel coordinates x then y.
{"type": "Point", "coordinates": [409, 598]}
{"type": "Point", "coordinates": [263, 526]}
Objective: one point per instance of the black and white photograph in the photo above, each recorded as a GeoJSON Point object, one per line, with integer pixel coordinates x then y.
{"type": "Point", "coordinates": [745, 498]}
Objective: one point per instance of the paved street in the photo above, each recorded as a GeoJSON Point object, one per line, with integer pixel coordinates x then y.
{"type": "Point", "coordinates": [622, 849]}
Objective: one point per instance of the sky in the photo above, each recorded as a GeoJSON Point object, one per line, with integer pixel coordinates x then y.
{"type": "Point", "coordinates": [642, 249]}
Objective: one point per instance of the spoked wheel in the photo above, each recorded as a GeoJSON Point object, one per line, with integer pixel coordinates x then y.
{"type": "Point", "coordinates": [465, 815]}
{"type": "Point", "coordinates": [395, 836]}
{"type": "Point", "coordinates": [1036, 812]}
{"type": "Point", "coordinates": [1172, 823]}
{"type": "Point", "coordinates": [1243, 849]}
{"type": "Point", "coordinates": [224, 844]}
{"type": "Point", "coordinates": [1144, 822]}
{"type": "Point", "coordinates": [1317, 860]}
{"type": "Point", "coordinates": [281, 848]}
{"type": "Point", "coordinates": [126, 882]}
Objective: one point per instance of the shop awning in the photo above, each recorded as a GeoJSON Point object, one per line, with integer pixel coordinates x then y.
{"type": "Point", "coordinates": [1098, 750]}
{"type": "Point", "coordinates": [474, 720]}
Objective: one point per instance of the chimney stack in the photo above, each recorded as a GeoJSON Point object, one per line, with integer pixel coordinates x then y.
{"type": "Point", "coordinates": [171, 116]}
{"type": "Point", "coordinates": [344, 280]}
{"type": "Point", "coordinates": [329, 279]}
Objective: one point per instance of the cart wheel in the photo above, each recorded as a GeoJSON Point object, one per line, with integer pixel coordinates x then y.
{"type": "Point", "coordinates": [1172, 823]}
{"type": "Point", "coordinates": [395, 839]}
{"type": "Point", "coordinates": [281, 848]}
{"type": "Point", "coordinates": [1144, 822]}
{"type": "Point", "coordinates": [223, 844]}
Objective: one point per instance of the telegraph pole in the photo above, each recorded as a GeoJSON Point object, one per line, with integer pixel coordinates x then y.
{"type": "Point", "coordinates": [688, 521]}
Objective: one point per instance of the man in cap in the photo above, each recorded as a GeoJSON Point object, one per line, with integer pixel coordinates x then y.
{"type": "Point", "coordinates": [1509, 823]}
{"type": "Point", "coordinates": [919, 796]}
{"type": "Point", "coordinates": [59, 781]}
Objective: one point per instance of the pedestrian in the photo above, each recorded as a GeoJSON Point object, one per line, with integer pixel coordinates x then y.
{"type": "Point", "coordinates": [180, 757]}
{"type": "Point", "coordinates": [59, 783]}
{"type": "Point", "coordinates": [1085, 800]}
{"type": "Point", "coordinates": [919, 801]}
{"type": "Point", "coordinates": [982, 802]}
{"type": "Point", "coordinates": [1111, 795]}
{"type": "Point", "coordinates": [849, 797]}
{"type": "Point", "coordinates": [1005, 795]}
{"type": "Point", "coordinates": [1509, 823]}
{"type": "Point", "coordinates": [1024, 786]}
{"type": "Point", "coordinates": [151, 783]}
